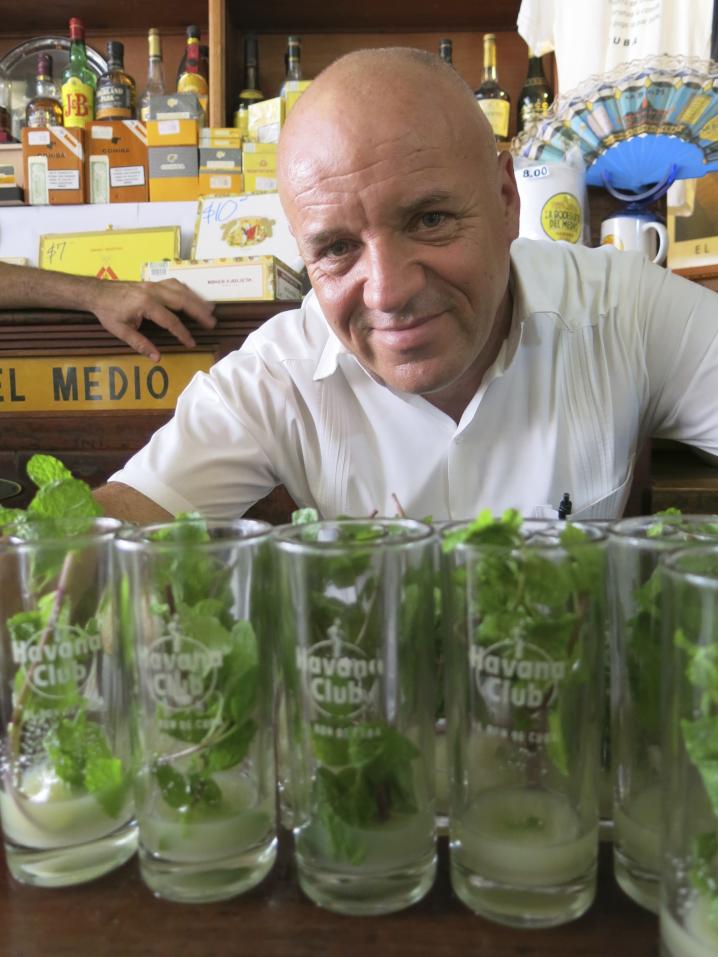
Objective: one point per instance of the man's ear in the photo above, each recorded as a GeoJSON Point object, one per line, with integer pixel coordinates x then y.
{"type": "Point", "coordinates": [509, 193]}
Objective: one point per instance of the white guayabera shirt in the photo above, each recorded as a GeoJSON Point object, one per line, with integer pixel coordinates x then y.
{"type": "Point", "coordinates": [605, 349]}
{"type": "Point", "coordinates": [594, 36]}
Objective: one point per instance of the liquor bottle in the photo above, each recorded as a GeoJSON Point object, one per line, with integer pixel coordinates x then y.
{"type": "Point", "coordinates": [155, 77]}
{"type": "Point", "coordinates": [492, 98]}
{"type": "Point", "coordinates": [292, 61]}
{"type": "Point", "coordinates": [446, 51]}
{"type": "Point", "coordinates": [116, 97]}
{"type": "Point", "coordinates": [78, 81]}
{"type": "Point", "coordinates": [250, 92]}
{"type": "Point", "coordinates": [536, 95]}
{"type": "Point", "coordinates": [191, 79]}
{"type": "Point", "coordinates": [45, 108]}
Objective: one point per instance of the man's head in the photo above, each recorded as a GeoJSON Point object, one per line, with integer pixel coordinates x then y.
{"type": "Point", "coordinates": [404, 216]}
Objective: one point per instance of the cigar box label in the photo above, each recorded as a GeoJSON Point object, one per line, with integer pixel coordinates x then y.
{"type": "Point", "coordinates": [38, 138]}
{"type": "Point", "coordinates": [101, 132]}
{"type": "Point", "coordinates": [99, 179]}
{"type": "Point", "coordinates": [246, 231]}
{"type": "Point", "coordinates": [127, 176]}
{"type": "Point", "coordinates": [97, 383]}
{"type": "Point", "coordinates": [37, 181]}
{"type": "Point", "coordinates": [168, 127]}
{"type": "Point", "coordinates": [63, 179]}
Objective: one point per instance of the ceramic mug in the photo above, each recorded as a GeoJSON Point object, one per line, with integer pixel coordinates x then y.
{"type": "Point", "coordinates": [639, 231]}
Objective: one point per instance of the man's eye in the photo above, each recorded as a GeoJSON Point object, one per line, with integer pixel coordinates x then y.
{"type": "Point", "coordinates": [432, 220]}
{"type": "Point", "coordinates": [337, 249]}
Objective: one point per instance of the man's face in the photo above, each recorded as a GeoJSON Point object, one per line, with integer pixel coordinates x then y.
{"type": "Point", "coordinates": [406, 240]}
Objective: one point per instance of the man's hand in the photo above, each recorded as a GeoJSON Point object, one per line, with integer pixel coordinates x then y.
{"type": "Point", "coordinates": [122, 306]}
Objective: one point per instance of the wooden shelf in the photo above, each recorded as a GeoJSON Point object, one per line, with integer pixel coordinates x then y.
{"type": "Point", "coordinates": [33, 19]}
{"type": "Point", "coordinates": [318, 16]}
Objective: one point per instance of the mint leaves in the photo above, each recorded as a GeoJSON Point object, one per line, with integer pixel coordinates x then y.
{"type": "Point", "coordinates": [56, 643]}
{"type": "Point", "coordinates": [194, 603]}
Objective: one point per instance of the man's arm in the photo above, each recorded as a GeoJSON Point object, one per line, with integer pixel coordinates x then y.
{"type": "Point", "coordinates": [120, 306]}
{"type": "Point", "coordinates": [126, 503]}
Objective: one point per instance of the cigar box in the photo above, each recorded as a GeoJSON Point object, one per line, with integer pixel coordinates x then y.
{"type": "Point", "coordinates": [172, 132]}
{"type": "Point", "coordinates": [174, 106]}
{"type": "Point", "coordinates": [220, 182]}
{"type": "Point", "coordinates": [250, 279]}
{"type": "Point", "coordinates": [173, 173]}
{"type": "Point", "coordinates": [291, 92]}
{"type": "Point", "coordinates": [261, 182]}
{"type": "Point", "coordinates": [54, 162]}
{"type": "Point", "coordinates": [116, 161]}
{"type": "Point", "coordinates": [259, 158]}
{"type": "Point", "coordinates": [109, 253]}
{"type": "Point", "coordinates": [265, 120]}
{"type": "Point", "coordinates": [220, 157]}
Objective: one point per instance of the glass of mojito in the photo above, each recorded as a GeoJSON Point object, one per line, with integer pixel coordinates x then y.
{"type": "Point", "coordinates": [194, 604]}
{"type": "Point", "coordinates": [636, 546]}
{"type": "Point", "coordinates": [357, 646]}
{"type": "Point", "coordinates": [524, 609]}
{"type": "Point", "coordinates": [689, 859]}
{"type": "Point", "coordinates": [65, 785]}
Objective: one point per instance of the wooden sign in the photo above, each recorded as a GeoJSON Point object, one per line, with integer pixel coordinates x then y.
{"type": "Point", "coordinates": [96, 383]}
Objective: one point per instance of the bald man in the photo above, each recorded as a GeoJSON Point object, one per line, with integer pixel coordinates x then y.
{"type": "Point", "coordinates": [437, 362]}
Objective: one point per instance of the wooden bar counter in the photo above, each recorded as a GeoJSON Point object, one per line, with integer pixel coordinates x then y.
{"type": "Point", "coordinates": [117, 915]}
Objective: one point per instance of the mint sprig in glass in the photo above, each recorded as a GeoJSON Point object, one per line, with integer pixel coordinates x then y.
{"type": "Point", "coordinates": [65, 793]}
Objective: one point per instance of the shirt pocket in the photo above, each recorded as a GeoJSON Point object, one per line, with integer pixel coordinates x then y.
{"type": "Point", "coordinates": [610, 505]}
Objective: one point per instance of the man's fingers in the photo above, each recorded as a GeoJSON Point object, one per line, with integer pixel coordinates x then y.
{"type": "Point", "coordinates": [181, 298]}
{"type": "Point", "coordinates": [135, 340]}
{"type": "Point", "coordinates": [169, 321]}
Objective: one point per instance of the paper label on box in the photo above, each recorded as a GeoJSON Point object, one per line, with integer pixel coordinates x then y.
{"type": "Point", "coordinates": [217, 181]}
{"type": "Point", "coordinates": [180, 115]}
{"type": "Point", "coordinates": [269, 133]}
{"type": "Point", "coordinates": [168, 127]}
{"type": "Point", "coordinates": [38, 138]}
{"type": "Point", "coordinates": [217, 283]}
{"type": "Point", "coordinates": [37, 180]}
{"type": "Point", "coordinates": [99, 179]}
{"type": "Point", "coordinates": [101, 132]}
{"type": "Point", "coordinates": [155, 272]}
{"type": "Point", "coordinates": [127, 176]}
{"type": "Point", "coordinates": [221, 164]}
{"type": "Point", "coordinates": [265, 183]}
{"type": "Point", "coordinates": [63, 179]}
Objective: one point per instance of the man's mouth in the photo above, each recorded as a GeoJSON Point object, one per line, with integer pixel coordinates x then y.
{"type": "Point", "coordinates": [407, 335]}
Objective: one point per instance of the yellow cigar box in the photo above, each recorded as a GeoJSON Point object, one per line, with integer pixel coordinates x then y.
{"type": "Point", "coordinates": [260, 182]}
{"type": "Point", "coordinates": [220, 136]}
{"type": "Point", "coordinates": [172, 132]}
{"type": "Point", "coordinates": [291, 92]}
{"type": "Point", "coordinates": [173, 173]}
{"type": "Point", "coordinates": [265, 120]}
{"type": "Point", "coordinates": [109, 253]}
{"type": "Point", "coordinates": [220, 182]}
{"type": "Point", "coordinates": [250, 279]}
{"type": "Point", "coordinates": [54, 160]}
{"type": "Point", "coordinates": [116, 161]}
{"type": "Point", "coordinates": [259, 158]}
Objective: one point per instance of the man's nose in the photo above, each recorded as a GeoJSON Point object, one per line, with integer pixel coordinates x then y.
{"type": "Point", "coordinates": [393, 276]}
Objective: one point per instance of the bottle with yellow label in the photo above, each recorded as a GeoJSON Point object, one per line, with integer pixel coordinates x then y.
{"type": "Point", "coordinates": [490, 96]}
{"type": "Point", "coordinates": [191, 79]}
{"type": "Point", "coordinates": [78, 81]}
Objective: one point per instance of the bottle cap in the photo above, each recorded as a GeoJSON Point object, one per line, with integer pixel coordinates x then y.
{"type": "Point", "coordinates": [77, 29]}
{"type": "Point", "coordinates": [115, 51]}
{"type": "Point", "coordinates": [44, 65]}
{"type": "Point", "coordinates": [192, 32]}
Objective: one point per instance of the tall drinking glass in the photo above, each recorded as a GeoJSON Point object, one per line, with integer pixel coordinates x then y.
{"type": "Point", "coordinates": [524, 609]}
{"type": "Point", "coordinates": [689, 898]}
{"type": "Point", "coordinates": [357, 648]}
{"type": "Point", "coordinates": [635, 547]}
{"type": "Point", "coordinates": [195, 600]}
{"type": "Point", "coordinates": [65, 786]}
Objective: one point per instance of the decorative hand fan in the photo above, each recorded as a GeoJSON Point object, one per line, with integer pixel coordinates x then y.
{"type": "Point", "coordinates": [639, 127]}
